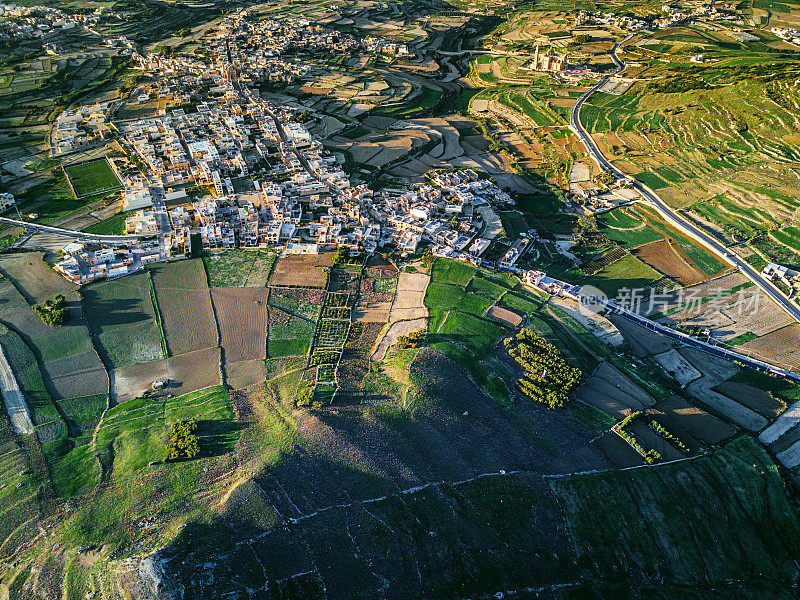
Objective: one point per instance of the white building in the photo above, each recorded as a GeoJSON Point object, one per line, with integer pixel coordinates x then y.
{"type": "Point", "coordinates": [6, 201]}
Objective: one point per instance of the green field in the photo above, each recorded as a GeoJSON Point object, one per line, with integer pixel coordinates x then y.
{"type": "Point", "coordinates": [788, 236]}
{"type": "Point", "coordinates": [453, 272]}
{"type": "Point", "coordinates": [92, 178]}
{"type": "Point", "coordinates": [441, 298]}
{"type": "Point", "coordinates": [133, 435]}
{"type": "Point", "coordinates": [288, 335]}
{"type": "Point", "coordinates": [291, 301]}
{"type": "Point", "coordinates": [488, 77]}
{"type": "Point", "coordinates": [112, 226]}
{"type": "Point", "coordinates": [537, 111]}
{"type": "Point", "coordinates": [628, 272]}
{"type": "Point", "coordinates": [355, 133]}
{"type": "Point", "coordinates": [651, 180]}
{"type": "Point", "coordinates": [734, 220]}
{"type": "Point", "coordinates": [480, 335]}
{"type": "Point", "coordinates": [138, 429]}
{"type": "Point", "coordinates": [123, 320]}
{"type": "Point", "coordinates": [29, 378]}
{"type": "Point", "coordinates": [522, 304]}
{"type": "Point", "coordinates": [484, 285]}
{"type": "Point", "coordinates": [630, 238]}
{"type": "Point", "coordinates": [718, 517]}
{"type": "Point", "coordinates": [239, 267]}
{"type": "Point", "coordinates": [457, 299]}
{"type": "Point", "coordinates": [620, 218]}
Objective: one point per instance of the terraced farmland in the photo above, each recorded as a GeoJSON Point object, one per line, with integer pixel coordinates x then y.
{"type": "Point", "coordinates": [672, 522]}
{"type": "Point", "coordinates": [713, 141]}
{"type": "Point", "coordinates": [788, 236]}
{"type": "Point", "coordinates": [628, 272]}
{"type": "Point", "coordinates": [458, 299]}
{"type": "Point", "coordinates": [331, 333]}
{"type": "Point", "coordinates": [717, 491]}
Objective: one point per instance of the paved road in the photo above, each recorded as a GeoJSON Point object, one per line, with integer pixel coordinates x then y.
{"type": "Point", "coordinates": [72, 234]}
{"type": "Point", "coordinates": [712, 349]}
{"type": "Point", "coordinates": [652, 199]}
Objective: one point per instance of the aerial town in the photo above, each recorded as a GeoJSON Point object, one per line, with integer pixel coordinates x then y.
{"type": "Point", "coordinates": [289, 193]}
{"type": "Point", "coordinates": [420, 299]}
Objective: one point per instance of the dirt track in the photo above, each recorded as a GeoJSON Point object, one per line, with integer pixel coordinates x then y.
{"type": "Point", "coordinates": [13, 399]}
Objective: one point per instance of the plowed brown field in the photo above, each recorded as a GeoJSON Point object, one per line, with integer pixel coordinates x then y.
{"type": "Point", "coordinates": [242, 314]}
{"type": "Point", "coordinates": [665, 256]}
{"type": "Point", "coordinates": [185, 306]}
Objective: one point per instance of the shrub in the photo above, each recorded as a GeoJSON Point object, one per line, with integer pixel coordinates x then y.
{"type": "Point", "coordinates": [183, 440]}
{"type": "Point", "coordinates": [650, 456]}
{"type": "Point", "coordinates": [342, 256]}
{"type": "Point", "coordinates": [627, 420]}
{"type": "Point", "coordinates": [304, 396]}
{"type": "Point", "coordinates": [53, 312]}
{"type": "Point", "coordinates": [412, 340]}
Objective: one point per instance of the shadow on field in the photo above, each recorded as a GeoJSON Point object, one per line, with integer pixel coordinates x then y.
{"type": "Point", "coordinates": [115, 312]}
{"type": "Point", "coordinates": [218, 437]}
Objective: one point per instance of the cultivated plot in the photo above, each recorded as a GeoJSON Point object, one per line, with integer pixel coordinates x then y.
{"type": "Point", "coordinates": [289, 334]}
{"type": "Point", "coordinates": [69, 363]}
{"type": "Point", "coordinates": [122, 318]}
{"type": "Point", "coordinates": [239, 267]}
{"type": "Point", "coordinates": [35, 279]}
{"type": "Point", "coordinates": [242, 315]}
{"type": "Point", "coordinates": [302, 270]}
{"type": "Point", "coordinates": [184, 303]}
{"type": "Point", "coordinates": [612, 392]}
{"type": "Point", "coordinates": [178, 374]}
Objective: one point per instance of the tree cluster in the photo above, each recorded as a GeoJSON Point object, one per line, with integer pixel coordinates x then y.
{"type": "Point", "coordinates": [412, 340]}
{"type": "Point", "coordinates": [548, 378]}
{"type": "Point", "coordinates": [183, 440]}
{"type": "Point", "coordinates": [342, 256]}
{"type": "Point", "coordinates": [53, 312]}
{"type": "Point", "coordinates": [650, 456]}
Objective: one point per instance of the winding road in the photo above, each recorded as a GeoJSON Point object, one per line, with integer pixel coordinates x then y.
{"type": "Point", "coordinates": [653, 200]}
